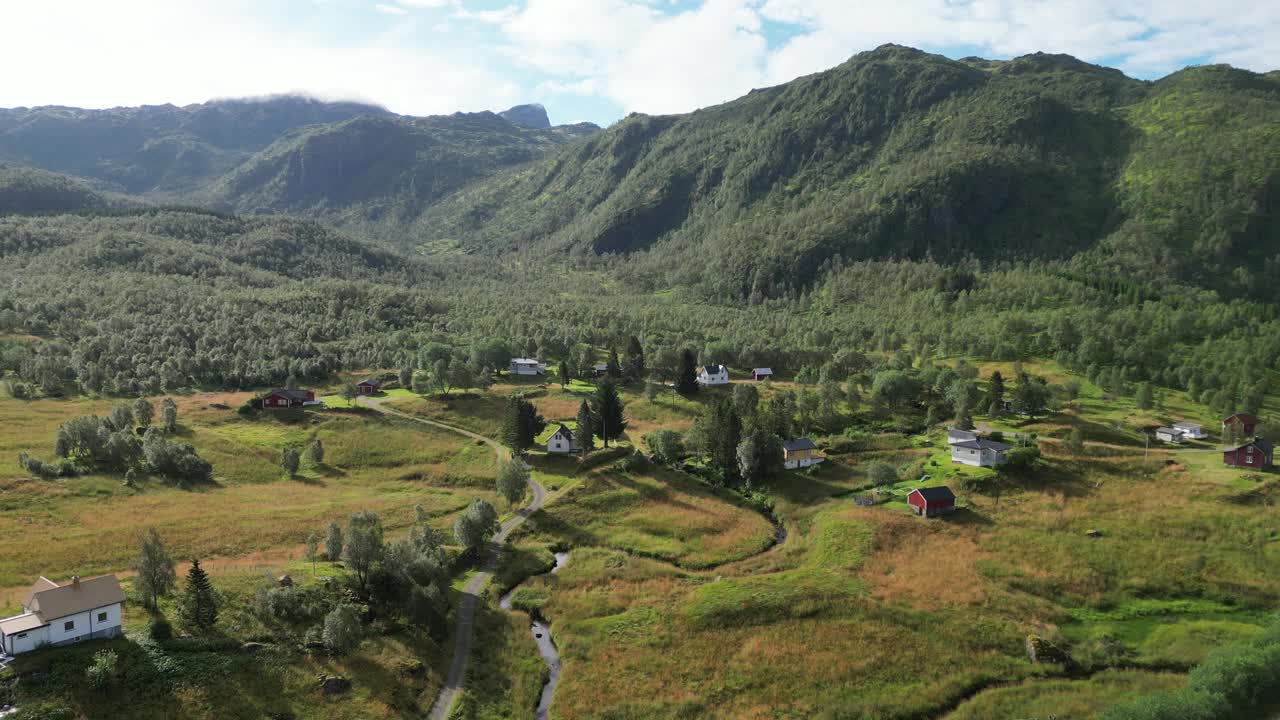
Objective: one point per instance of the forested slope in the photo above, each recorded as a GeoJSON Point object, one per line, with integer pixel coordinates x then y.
{"type": "Point", "coordinates": [897, 153]}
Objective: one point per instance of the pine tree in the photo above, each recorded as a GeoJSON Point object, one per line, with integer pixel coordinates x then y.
{"type": "Point", "coordinates": [995, 394]}
{"type": "Point", "coordinates": [563, 373]}
{"type": "Point", "coordinates": [522, 424]}
{"type": "Point", "coordinates": [635, 358]}
{"type": "Point", "coordinates": [1144, 398]}
{"type": "Point", "coordinates": [198, 609]}
{"type": "Point", "coordinates": [612, 368]}
{"type": "Point", "coordinates": [610, 418]}
{"type": "Point", "coordinates": [687, 378]}
{"type": "Point", "coordinates": [584, 435]}
{"type": "Point", "coordinates": [724, 435]}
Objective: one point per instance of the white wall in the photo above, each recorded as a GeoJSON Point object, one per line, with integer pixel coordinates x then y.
{"type": "Point", "coordinates": [34, 639]}
{"type": "Point", "coordinates": [85, 624]}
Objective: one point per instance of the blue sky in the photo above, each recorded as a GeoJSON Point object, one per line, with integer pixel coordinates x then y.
{"type": "Point", "coordinates": [584, 59]}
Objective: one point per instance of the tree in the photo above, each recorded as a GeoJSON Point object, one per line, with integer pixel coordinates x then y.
{"type": "Point", "coordinates": [169, 415]}
{"type": "Point", "coordinates": [893, 389]}
{"type": "Point", "coordinates": [405, 377]}
{"type": "Point", "coordinates": [311, 551]}
{"type": "Point", "coordinates": [513, 482]}
{"type": "Point", "coordinates": [102, 673]}
{"type": "Point", "coordinates": [156, 574]}
{"type": "Point", "coordinates": [612, 367]}
{"type": "Point", "coordinates": [610, 417]}
{"type": "Point", "coordinates": [121, 417]}
{"type": "Point", "coordinates": [1030, 396]}
{"type": "Point", "coordinates": [364, 545]}
{"type": "Point", "coordinates": [651, 390]}
{"type": "Point", "coordinates": [289, 460]}
{"type": "Point", "coordinates": [724, 434]}
{"type": "Point", "coordinates": [198, 608]}
{"type": "Point", "coordinates": [882, 473]}
{"type": "Point", "coordinates": [349, 393]}
{"type": "Point", "coordinates": [759, 457]}
{"type": "Point", "coordinates": [745, 400]}
{"type": "Point", "coordinates": [333, 543]}
{"type": "Point", "coordinates": [1144, 397]}
{"type": "Point", "coordinates": [1075, 441]}
{"type": "Point", "coordinates": [475, 526]}
{"type": "Point", "coordinates": [1019, 462]}
{"type": "Point", "coordinates": [342, 633]}
{"type": "Point", "coordinates": [686, 379]}
{"type": "Point", "coordinates": [635, 358]}
{"type": "Point", "coordinates": [562, 373]}
{"type": "Point", "coordinates": [522, 424]}
{"type": "Point", "coordinates": [666, 445]}
{"type": "Point", "coordinates": [583, 433]}
{"type": "Point", "coordinates": [995, 394]}
{"type": "Point", "coordinates": [852, 397]}
{"type": "Point", "coordinates": [143, 411]}
{"type": "Point", "coordinates": [315, 453]}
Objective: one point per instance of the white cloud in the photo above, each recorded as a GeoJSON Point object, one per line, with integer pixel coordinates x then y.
{"type": "Point", "coordinates": [390, 9]}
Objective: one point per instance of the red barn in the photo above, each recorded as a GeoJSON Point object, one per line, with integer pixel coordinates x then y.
{"type": "Point", "coordinates": [932, 501]}
{"type": "Point", "coordinates": [1255, 454]}
{"type": "Point", "coordinates": [368, 387]}
{"type": "Point", "coordinates": [282, 398]}
{"type": "Point", "coordinates": [1244, 424]}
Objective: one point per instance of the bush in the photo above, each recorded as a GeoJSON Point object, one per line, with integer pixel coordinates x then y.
{"type": "Point", "coordinates": [342, 631]}
{"type": "Point", "coordinates": [160, 630]}
{"type": "Point", "coordinates": [106, 664]}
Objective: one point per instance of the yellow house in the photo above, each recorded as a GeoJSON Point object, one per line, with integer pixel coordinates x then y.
{"type": "Point", "coordinates": [800, 453]}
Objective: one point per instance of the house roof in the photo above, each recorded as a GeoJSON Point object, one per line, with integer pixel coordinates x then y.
{"type": "Point", "coordinates": [799, 444]}
{"type": "Point", "coordinates": [291, 393]}
{"type": "Point", "coordinates": [73, 597]}
{"type": "Point", "coordinates": [40, 585]}
{"type": "Point", "coordinates": [1187, 425]}
{"type": "Point", "coordinates": [1246, 417]}
{"type": "Point", "coordinates": [525, 361]}
{"type": "Point", "coordinates": [981, 444]}
{"type": "Point", "coordinates": [371, 381]}
{"type": "Point", "coordinates": [1169, 430]}
{"type": "Point", "coordinates": [563, 430]}
{"type": "Point", "coordinates": [712, 369]}
{"type": "Point", "coordinates": [958, 433]}
{"type": "Point", "coordinates": [762, 371]}
{"type": "Point", "coordinates": [1262, 444]}
{"type": "Point", "coordinates": [21, 623]}
{"type": "Point", "coordinates": [934, 494]}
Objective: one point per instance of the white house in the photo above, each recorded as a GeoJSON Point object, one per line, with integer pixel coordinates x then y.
{"type": "Point", "coordinates": [713, 375]}
{"type": "Point", "coordinates": [979, 453]}
{"type": "Point", "coordinates": [1169, 435]}
{"type": "Point", "coordinates": [955, 435]}
{"type": "Point", "coordinates": [561, 441]}
{"type": "Point", "coordinates": [527, 366]}
{"type": "Point", "coordinates": [1191, 430]}
{"type": "Point", "coordinates": [56, 614]}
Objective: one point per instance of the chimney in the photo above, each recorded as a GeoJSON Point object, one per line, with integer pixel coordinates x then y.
{"type": "Point", "coordinates": [75, 581]}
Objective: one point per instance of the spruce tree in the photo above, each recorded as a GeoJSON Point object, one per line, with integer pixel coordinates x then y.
{"type": "Point", "coordinates": [995, 394]}
{"type": "Point", "coordinates": [612, 368]}
{"type": "Point", "coordinates": [198, 609]}
{"type": "Point", "coordinates": [563, 373]}
{"type": "Point", "coordinates": [725, 434]}
{"type": "Point", "coordinates": [584, 435]}
{"type": "Point", "coordinates": [635, 358]}
{"type": "Point", "coordinates": [610, 419]}
{"type": "Point", "coordinates": [687, 377]}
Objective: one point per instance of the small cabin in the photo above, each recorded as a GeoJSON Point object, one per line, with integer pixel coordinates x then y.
{"type": "Point", "coordinates": [283, 398]}
{"type": "Point", "coordinates": [1191, 430]}
{"type": "Point", "coordinates": [956, 435]}
{"type": "Point", "coordinates": [1256, 454]}
{"type": "Point", "coordinates": [713, 375]}
{"type": "Point", "coordinates": [527, 366]}
{"type": "Point", "coordinates": [932, 501]}
{"type": "Point", "coordinates": [1170, 435]}
{"type": "Point", "coordinates": [370, 386]}
{"type": "Point", "coordinates": [1242, 424]}
{"type": "Point", "coordinates": [561, 441]}
{"type": "Point", "coordinates": [759, 374]}
{"type": "Point", "coordinates": [979, 453]}
{"type": "Point", "coordinates": [799, 453]}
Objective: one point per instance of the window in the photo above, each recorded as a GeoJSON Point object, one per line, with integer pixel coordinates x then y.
{"type": "Point", "coordinates": [102, 617]}
{"type": "Point", "coordinates": [69, 625]}
{"type": "Point", "coordinates": [21, 635]}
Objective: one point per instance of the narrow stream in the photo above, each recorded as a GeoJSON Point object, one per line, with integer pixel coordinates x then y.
{"type": "Point", "coordinates": [546, 646]}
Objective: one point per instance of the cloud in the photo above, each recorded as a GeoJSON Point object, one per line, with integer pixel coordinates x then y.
{"type": "Point", "coordinates": [390, 9]}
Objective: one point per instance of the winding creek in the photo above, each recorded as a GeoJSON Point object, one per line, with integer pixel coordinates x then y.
{"type": "Point", "coordinates": [546, 645]}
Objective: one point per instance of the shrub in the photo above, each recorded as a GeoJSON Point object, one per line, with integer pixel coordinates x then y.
{"type": "Point", "coordinates": [342, 632]}
{"type": "Point", "coordinates": [160, 629]}
{"type": "Point", "coordinates": [106, 664]}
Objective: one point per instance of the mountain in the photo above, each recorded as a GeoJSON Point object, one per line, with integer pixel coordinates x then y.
{"type": "Point", "coordinates": [158, 149]}
{"type": "Point", "coordinates": [531, 116]}
{"type": "Point", "coordinates": [379, 172]}
{"type": "Point", "coordinates": [901, 154]}
{"type": "Point", "coordinates": [25, 190]}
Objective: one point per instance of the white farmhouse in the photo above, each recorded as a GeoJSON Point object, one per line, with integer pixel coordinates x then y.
{"type": "Point", "coordinates": [978, 453]}
{"type": "Point", "coordinates": [56, 614]}
{"type": "Point", "coordinates": [1191, 430]}
{"type": "Point", "coordinates": [713, 375]}
{"type": "Point", "coordinates": [561, 441]}
{"type": "Point", "coordinates": [527, 366]}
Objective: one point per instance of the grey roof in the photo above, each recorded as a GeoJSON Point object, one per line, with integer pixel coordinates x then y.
{"type": "Point", "coordinates": [1168, 430]}
{"type": "Point", "coordinates": [525, 361]}
{"type": "Point", "coordinates": [1262, 444]}
{"type": "Point", "coordinates": [936, 493]}
{"type": "Point", "coordinates": [956, 432]}
{"type": "Point", "coordinates": [762, 371]}
{"type": "Point", "coordinates": [291, 393]}
{"type": "Point", "coordinates": [563, 429]}
{"type": "Point", "coordinates": [799, 444]}
{"type": "Point", "coordinates": [21, 623]}
{"type": "Point", "coordinates": [981, 444]}
{"type": "Point", "coordinates": [371, 381]}
{"type": "Point", "coordinates": [712, 369]}
{"type": "Point", "coordinates": [1186, 425]}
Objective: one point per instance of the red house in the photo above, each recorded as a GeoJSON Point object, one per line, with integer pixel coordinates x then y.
{"type": "Point", "coordinates": [282, 398]}
{"type": "Point", "coordinates": [1244, 424]}
{"type": "Point", "coordinates": [932, 501]}
{"type": "Point", "coordinates": [1255, 454]}
{"type": "Point", "coordinates": [368, 387]}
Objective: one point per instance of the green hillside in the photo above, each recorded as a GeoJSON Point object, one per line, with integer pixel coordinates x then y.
{"type": "Point", "coordinates": [898, 153]}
